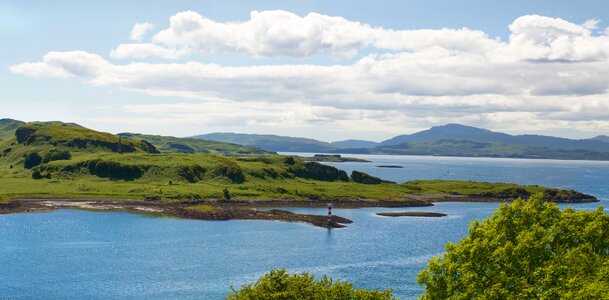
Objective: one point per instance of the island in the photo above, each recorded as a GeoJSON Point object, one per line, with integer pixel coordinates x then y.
{"type": "Point", "coordinates": [412, 214]}
{"type": "Point", "coordinates": [54, 165]}
{"type": "Point", "coordinates": [333, 158]}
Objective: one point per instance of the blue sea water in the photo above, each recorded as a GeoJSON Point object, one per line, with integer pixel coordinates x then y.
{"type": "Point", "coordinates": [70, 254]}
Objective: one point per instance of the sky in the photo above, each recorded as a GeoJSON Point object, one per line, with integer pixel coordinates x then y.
{"type": "Point", "coordinates": [329, 70]}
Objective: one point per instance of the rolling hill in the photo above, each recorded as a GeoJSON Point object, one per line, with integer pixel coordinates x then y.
{"type": "Point", "coordinates": [446, 140]}
{"type": "Point", "coordinates": [461, 132]}
{"type": "Point", "coordinates": [8, 127]}
{"type": "Point", "coordinates": [346, 144]}
{"type": "Point", "coordinates": [274, 143]}
{"type": "Point", "coordinates": [168, 144]}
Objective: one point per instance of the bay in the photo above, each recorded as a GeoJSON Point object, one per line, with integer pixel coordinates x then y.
{"type": "Point", "coordinates": [70, 254]}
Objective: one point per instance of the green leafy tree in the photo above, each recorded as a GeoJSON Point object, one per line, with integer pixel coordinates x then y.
{"type": "Point", "coordinates": [31, 160]}
{"type": "Point", "coordinates": [279, 284]}
{"type": "Point", "coordinates": [526, 250]}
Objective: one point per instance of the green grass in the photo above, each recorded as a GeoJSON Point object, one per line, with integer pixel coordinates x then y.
{"type": "Point", "coordinates": [168, 144]}
{"type": "Point", "coordinates": [205, 208]}
{"type": "Point", "coordinates": [95, 171]}
{"type": "Point", "coordinates": [465, 187]}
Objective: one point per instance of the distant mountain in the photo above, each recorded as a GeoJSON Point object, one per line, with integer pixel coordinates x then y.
{"type": "Point", "coordinates": [602, 138]}
{"type": "Point", "coordinates": [449, 131]}
{"type": "Point", "coordinates": [8, 127]}
{"type": "Point", "coordinates": [274, 143]}
{"type": "Point", "coordinates": [461, 132]}
{"type": "Point", "coordinates": [355, 144]}
{"type": "Point", "coordinates": [169, 144]}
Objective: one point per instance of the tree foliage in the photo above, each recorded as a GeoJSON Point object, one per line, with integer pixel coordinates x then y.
{"type": "Point", "coordinates": [526, 250]}
{"type": "Point", "coordinates": [55, 154]}
{"type": "Point", "coordinates": [279, 284]}
{"type": "Point", "coordinates": [32, 159]}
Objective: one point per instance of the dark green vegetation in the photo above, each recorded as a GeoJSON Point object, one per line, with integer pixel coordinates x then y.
{"type": "Point", "coordinates": [279, 284]}
{"type": "Point", "coordinates": [333, 158]}
{"type": "Point", "coordinates": [526, 250]}
{"type": "Point", "coordinates": [364, 178]}
{"type": "Point", "coordinates": [411, 214]}
{"type": "Point", "coordinates": [447, 140]}
{"type": "Point", "coordinates": [168, 144]}
{"type": "Point", "coordinates": [55, 159]}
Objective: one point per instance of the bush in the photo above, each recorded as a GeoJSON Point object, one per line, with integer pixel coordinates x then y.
{"type": "Point", "coordinates": [364, 178]}
{"type": "Point", "coordinates": [192, 173]}
{"type": "Point", "coordinates": [229, 169]}
{"type": "Point", "coordinates": [317, 171]}
{"type": "Point", "coordinates": [55, 154]}
{"type": "Point", "coordinates": [36, 175]}
{"type": "Point", "coordinates": [526, 250]}
{"type": "Point", "coordinates": [226, 194]}
{"type": "Point", "coordinates": [31, 160]}
{"type": "Point", "coordinates": [113, 170]}
{"type": "Point", "coordinates": [278, 284]}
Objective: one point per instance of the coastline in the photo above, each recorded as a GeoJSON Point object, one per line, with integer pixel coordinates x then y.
{"type": "Point", "coordinates": [247, 209]}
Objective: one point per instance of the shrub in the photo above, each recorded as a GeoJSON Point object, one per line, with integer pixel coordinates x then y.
{"type": "Point", "coordinates": [55, 154]}
{"type": "Point", "coordinates": [192, 173]}
{"type": "Point", "coordinates": [226, 194]}
{"type": "Point", "coordinates": [526, 250]}
{"type": "Point", "coordinates": [279, 284]}
{"type": "Point", "coordinates": [364, 178]}
{"type": "Point", "coordinates": [36, 175]}
{"type": "Point", "coordinates": [230, 170]}
{"type": "Point", "coordinates": [317, 171]}
{"type": "Point", "coordinates": [113, 170]}
{"type": "Point", "coordinates": [31, 160]}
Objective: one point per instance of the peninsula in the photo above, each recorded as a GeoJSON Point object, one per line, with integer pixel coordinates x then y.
{"type": "Point", "coordinates": [55, 165]}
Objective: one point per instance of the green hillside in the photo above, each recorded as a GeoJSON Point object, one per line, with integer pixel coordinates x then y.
{"type": "Point", "coordinates": [8, 127]}
{"type": "Point", "coordinates": [449, 147]}
{"type": "Point", "coordinates": [168, 144]}
{"type": "Point", "coordinates": [55, 159]}
{"type": "Point", "coordinates": [268, 142]}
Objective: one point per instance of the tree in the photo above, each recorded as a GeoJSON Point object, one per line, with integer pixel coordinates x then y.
{"type": "Point", "coordinates": [31, 160]}
{"type": "Point", "coordinates": [526, 250]}
{"type": "Point", "coordinates": [279, 284]}
{"type": "Point", "coordinates": [226, 194]}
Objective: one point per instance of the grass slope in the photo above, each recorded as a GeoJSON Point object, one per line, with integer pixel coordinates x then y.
{"type": "Point", "coordinates": [8, 127]}
{"type": "Point", "coordinates": [95, 169]}
{"type": "Point", "coordinates": [168, 144]}
{"type": "Point", "coordinates": [271, 142]}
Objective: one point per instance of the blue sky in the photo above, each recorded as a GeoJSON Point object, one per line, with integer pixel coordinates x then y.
{"type": "Point", "coordinates": [246, 99]}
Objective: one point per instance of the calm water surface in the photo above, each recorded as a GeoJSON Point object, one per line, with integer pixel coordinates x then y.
{"type": "Point", "coordinates": [78, 254]}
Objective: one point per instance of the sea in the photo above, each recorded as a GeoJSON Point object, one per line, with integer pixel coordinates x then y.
{"type": "Point", "coordinates": [72, 254]}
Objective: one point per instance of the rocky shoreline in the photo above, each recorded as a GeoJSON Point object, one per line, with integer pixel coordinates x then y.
{"type": "Point", "coordinates": [251, 209]}
{"type": "Point", "coordinates": [412, 214]}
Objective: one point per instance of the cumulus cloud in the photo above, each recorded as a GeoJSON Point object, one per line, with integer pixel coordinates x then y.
{"type": "Point", "coordinates": [139, 31]}
{"type": "Point", "coordinates": [281, 33]}
{"type": "Point", "coordinates": [550, 72]}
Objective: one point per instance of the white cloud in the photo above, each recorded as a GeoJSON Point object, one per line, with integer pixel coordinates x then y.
{"type": "Point", "coordinates": [145, 50]}
{"type": "Point", "coordinates": [591, 24]}
{"type": "Point", "coordinates": [549, 73]}
{"type": "Point", "coordinates": [139, 31]}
